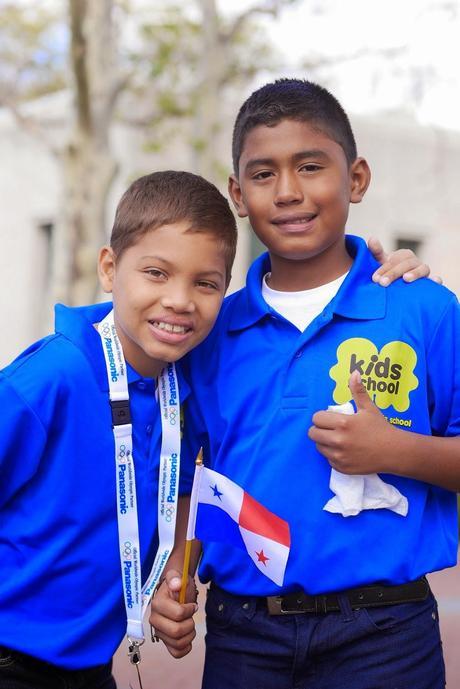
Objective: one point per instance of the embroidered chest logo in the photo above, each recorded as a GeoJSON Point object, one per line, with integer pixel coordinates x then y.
{"type": "Point", "coordinates": [388, 375]}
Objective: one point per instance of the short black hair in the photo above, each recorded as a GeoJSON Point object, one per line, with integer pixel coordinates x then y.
{"type": "Point", "coordinates": [170, 196]}
{"type": "Point", "coordinates": [293, 99]}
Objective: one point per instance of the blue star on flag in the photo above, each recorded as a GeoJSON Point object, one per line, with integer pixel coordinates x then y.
{"type": "Point", "coordinates": [217, 492]}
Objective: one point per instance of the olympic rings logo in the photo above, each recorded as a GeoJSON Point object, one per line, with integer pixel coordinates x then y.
{"type": "Point", "coordinates": [173, 416]}
{"type": "Point", "coordinates": [169, 513]}
{"type": "Point", "coordinates": [123, 452]}
{"type": "Point", "coordinates": [127, 550]}
{"type": "Point", "coordinates": [106, 330]}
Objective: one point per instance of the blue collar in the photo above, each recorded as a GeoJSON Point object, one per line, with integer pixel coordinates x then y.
{"type": "Point", "coordinates": [358, 297]}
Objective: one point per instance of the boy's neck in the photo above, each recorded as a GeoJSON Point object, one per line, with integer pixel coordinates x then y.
{"type": "Point", "coordinates": [291, 275]}
{"type": "Point", "coordinates": [141, 364]}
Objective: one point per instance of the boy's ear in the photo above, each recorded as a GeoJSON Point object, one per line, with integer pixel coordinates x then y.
{"type": "Point", "coordinates": [360, 177]}
{"type": "Point", "coordinates": [236, 195]}
{"type": "Point", "coordinates": [106, 268]}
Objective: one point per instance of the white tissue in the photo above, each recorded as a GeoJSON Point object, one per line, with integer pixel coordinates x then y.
{"type": "Point", "coordinates": [357, 492]}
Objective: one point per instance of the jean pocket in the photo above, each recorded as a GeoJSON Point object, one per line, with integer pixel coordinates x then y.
{"type": "Point", "coordinates": [397, 618]}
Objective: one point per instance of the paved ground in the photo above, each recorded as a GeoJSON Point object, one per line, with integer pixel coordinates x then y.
{"type": "Point", "coordinates": [160, 670]}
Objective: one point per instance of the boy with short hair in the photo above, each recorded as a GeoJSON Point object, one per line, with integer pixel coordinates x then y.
{"type": "Point", "coordinates": [355, 610]}
{"type": "Point", "coordinates": [67, 444]}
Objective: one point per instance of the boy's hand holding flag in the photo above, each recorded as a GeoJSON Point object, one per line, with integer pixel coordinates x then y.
{"type": "Point", "coordinates": [170, 621]}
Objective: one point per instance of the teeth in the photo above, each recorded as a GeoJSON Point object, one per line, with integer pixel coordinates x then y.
{"type": "Point", "coordinates": [170, 328]}
{"type": "Point", "coordinates": [297, 221]}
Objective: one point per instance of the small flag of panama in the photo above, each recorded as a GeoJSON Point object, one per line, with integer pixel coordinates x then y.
{"type": "Point", "coordinates": [220, 510]}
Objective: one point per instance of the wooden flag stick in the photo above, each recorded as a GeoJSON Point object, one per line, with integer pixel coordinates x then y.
{"type": "Point", "coordinates": [183, 588]}
{"type": "Point", "coordinates": [188, 542]}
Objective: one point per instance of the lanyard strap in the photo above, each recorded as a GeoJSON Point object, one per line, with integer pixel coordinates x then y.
{"type": "Point", "coordinates": [136, 596]}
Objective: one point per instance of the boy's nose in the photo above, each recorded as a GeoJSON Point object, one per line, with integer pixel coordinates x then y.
{"type": "Point", "coordinates": [179, 301]}
{"type": "Point", "coordinates": [288, 190]}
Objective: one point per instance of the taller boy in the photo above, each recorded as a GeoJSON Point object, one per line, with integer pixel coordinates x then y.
{"type": "Point", "coordinates": [282, 349]}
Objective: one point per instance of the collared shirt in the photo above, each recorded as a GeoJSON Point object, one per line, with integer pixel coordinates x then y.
{"type": "Point", "coordinates": [61, 589]}
{"type": "Point", "coordinates": [257, 382]}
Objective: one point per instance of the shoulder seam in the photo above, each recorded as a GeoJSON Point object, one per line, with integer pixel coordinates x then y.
{"type": "Point", "coordinates": [26, 404]}
{"type": "Point", "coordinates": [18, 364]}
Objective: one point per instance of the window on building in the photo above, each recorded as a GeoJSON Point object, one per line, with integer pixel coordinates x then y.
{"type": "Point", "coordinates": [46, 243]}
{"type": "Point", "coordinates": [409, 243]}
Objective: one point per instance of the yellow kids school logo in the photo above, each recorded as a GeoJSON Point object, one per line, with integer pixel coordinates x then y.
{"type": "Point", "coordinates": [388, 375]}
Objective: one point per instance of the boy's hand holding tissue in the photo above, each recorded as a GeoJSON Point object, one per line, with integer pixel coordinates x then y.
{"type": "Point", "coordinates": [365, 443]}
{"type": "Point", "coordinates": [354, 492]}
{"type": "Point", "coordinates": [361, 443]}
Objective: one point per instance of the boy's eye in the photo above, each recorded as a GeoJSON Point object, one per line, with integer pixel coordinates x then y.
{"type": "Point", "coordinates": [207, 284]}
{"type": "Point", "coordinates": [264, 174]}
{"type": "Point", "coordinates": [155, 273]}
{"type": "Point", "coordinates": [310, 167]}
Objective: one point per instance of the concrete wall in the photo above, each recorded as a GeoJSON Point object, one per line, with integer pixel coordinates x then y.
{"type": "Point", "coordinates": [28, 192]}
{"type": "Point", "coordinates": [413, 193]}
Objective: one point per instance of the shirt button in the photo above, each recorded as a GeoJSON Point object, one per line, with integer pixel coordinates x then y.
{"type": "Point", "coordinates": [142, 385]}
{"type": "Point", "coordinates": [149, 429]}
{"type": "Point", "coordinates": [298, 355]}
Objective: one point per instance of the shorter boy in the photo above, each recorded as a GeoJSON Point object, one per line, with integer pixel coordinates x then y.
{"type": "Point", "coordinates": [354, 610]}
{"type": "Point", "coordinates": [66, 461]}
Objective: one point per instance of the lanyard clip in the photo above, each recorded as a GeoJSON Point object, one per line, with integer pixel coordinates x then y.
{"type": "Point", "coordinates": [121, 414]}
{"type": "Point", "coordinates": [134, 652]}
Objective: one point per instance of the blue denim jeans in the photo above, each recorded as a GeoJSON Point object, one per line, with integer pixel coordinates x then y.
{"type": "Point", "coordinates": [19, 671]}
{"type": "Point", "coordinates": [389, 647]}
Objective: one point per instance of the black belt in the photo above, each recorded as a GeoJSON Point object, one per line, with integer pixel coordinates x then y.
{"type": "Point", "coordinates": [371, 596]}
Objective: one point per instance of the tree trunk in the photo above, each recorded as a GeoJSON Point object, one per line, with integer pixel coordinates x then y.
{"type": "Point", "coordinates": [88, 167]}
{"type": "Point", "coordinates": [208, 113]}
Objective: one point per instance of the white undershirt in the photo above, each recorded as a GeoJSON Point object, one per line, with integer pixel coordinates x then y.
{"type": "Point", "coordinates": [301, 308]}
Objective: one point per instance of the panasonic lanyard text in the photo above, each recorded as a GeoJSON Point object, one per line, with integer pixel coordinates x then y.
{"type": "Point", "coordinates": [136, 597]}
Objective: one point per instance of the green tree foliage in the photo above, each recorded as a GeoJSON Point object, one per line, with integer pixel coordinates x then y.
{"type": "Point", "coordinates": [32, 51]}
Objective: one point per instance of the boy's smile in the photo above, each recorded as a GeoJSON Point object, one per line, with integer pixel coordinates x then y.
{"type": "Point", "coordinates": [295, 186]}
{"type": "Point", "coordinates": [167, 290]}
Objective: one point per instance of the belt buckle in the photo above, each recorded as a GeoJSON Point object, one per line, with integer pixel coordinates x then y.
{"type": "Point", "coordinates": [275, 607]}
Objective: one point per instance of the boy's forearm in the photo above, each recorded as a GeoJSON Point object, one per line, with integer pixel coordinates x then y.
{"type": "Point", "coordinates": [426, 458]}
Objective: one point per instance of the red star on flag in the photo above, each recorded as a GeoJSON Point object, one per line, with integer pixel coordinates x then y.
{"type": "Point", "coordinates": [261, 557]}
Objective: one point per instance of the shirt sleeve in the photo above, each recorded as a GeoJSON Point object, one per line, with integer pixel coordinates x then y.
{"type": "Point", "coordinates": [443, 361]}
{"type": "Point", "coordinates": [23, 441]}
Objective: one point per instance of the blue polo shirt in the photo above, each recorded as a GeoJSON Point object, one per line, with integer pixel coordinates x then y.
{"type": "Point", "coordinates": [61, 594]}
{"type": "Point", "coordinates": [257, 381]}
